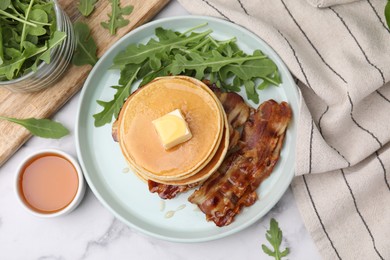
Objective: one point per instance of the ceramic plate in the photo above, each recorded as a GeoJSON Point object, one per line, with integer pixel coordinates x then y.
{"type": "Point", "coordinates": [128, 197]}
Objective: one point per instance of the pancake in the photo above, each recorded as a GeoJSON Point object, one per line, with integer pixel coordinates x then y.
{"type": "Point", "coordinates": [205, 172]}
{"type": "Point", "coordinates": [140, 143]}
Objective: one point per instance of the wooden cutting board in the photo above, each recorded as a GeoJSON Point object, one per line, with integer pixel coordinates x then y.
{"type": "Point", "coordinates": [45, 103]}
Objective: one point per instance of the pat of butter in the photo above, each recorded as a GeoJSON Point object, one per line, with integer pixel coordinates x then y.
{"type": "Point", "coordinates": [172, 129]}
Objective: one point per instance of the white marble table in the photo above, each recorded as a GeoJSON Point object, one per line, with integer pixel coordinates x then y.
{"type": "Point", "coordinates": [92, 232]}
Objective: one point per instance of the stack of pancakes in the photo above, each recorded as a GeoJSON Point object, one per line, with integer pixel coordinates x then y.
{"type": "Point", "coordinates": [190, 162]}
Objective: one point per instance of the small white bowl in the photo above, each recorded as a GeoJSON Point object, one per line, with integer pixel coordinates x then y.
{"type": "Point", "coordinates": [80, 190]}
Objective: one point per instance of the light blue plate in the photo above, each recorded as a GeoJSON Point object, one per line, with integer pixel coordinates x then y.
{"type": "Point", "coordinates": [128, 197]}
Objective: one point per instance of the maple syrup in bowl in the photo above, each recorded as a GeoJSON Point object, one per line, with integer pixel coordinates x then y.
{"type": "Point", "coordinates": [50, 183]}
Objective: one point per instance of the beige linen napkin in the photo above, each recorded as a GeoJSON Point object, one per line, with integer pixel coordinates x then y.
{"type": "Point", "coordinates": [341, 56]}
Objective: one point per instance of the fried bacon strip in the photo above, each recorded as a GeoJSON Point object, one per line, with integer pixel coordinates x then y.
{"type": "Point", "coordinates": [166, 191]}
{"type": "Point", "coordinates": [237, 112]}
{"type": "Point", "coordinates": [234, 185]}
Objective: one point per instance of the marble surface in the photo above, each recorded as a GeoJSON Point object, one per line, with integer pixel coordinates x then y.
{"type": "Point", "coordinates": [92, 232]}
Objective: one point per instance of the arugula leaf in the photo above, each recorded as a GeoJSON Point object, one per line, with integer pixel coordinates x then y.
{"type": "Point", "coordinates": [86, 7]}
{"type": "Point", "coordinates": [215, 63]}
{"type": "Point", "coordinates": [27, 12]}
{"type": "Point", "coordinates": [28, 34]}
{"type": "Point", "coordinates": [31, 50]}
{"type": "Point", "coordinates": [139, 53]}
{"type": "Point", "coordinates": [113, 107]}
{"type": "Point", "coordinates": [164, 35]}
{"type": "Point", "coordinates": [196, 62]}
{"type": "Point", "coordinates": [11, 67]}
{"type": "Point", "coordinates": [6, 15]}
{"type": "Point", "coordinates": [250, 69]}
{"type": "Point", "coordinates": [275, 236]}
{"type": "Point", "coordinates": [85, 52]}
{"type": "Point", "coordinates": [54, 41]}
{"type": "Point", "coordinates": [4, 4]}
{"type": "Point", "coordinates": [116, 19]}
{"type": "Point", "coordinates": [40, 18]}
{"type": "Point", "coordinates": [40, 127]}
{"type": "Point", "coordinates": [251, 91]}
{"type": "Point", "coordinates": [387, 13]}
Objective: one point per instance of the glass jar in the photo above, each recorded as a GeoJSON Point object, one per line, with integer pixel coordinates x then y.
{"type": "Point", "coordinates": [60, 57]}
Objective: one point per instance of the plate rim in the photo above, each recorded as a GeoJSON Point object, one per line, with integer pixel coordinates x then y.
{"type": "Point", "coordinates": [87, 177]}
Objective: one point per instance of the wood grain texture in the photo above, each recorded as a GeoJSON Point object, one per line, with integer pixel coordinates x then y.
{"type": "Point", "coordinates": [45, 103]}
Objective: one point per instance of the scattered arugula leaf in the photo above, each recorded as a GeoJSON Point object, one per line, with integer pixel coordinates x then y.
{"type": "Point", "coordinates": [116, 19]}
{"type": "Point", "coordinates": [86, 7]}
{"type": "Point", "coordinates": [275, 236]}
{"type": "Point", "coordinates": [85, 52]}
{"type": "Point", "coordinates": [387, 13]}
{"type": "Point", "coordinates": [28, 34]}
{"type": "Point", "coordinates": [195, 54]}
{"type": "Point", "coordinates": [40, 127]}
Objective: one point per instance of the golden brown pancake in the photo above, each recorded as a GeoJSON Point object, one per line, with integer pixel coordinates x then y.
{"type": "Point", "coordinates": [203, 173]}
{"type": "Point", "coordinates": [140, 143]}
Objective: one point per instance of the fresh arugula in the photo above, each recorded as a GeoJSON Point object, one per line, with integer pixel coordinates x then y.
{"type": "Point", "coordinates": [85, 52]}
{"type": "Point", "coordinates": [4, 4]}
{"type": "Point", "coordinates": [195, 54]}
{"type": "Point", "coordinates": [387, 13]}
{"type": "Point", "coordinates": [40, 127]}
{"type": "Point", "coordinates": [116, 19]}
{"type": "Point", "coordinates": [28, 34]}
{"type": "Point", "coordinates": [86, 7]}
{"type": "Point", "coordinates": [113, 107]}
{"type": "Point", "coordinates": [56, 40]}
{"type": "Point", "coordinates": [275, 236]}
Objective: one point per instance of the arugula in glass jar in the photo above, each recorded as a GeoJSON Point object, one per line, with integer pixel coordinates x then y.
{"type": "Point", "coordinates": [28, 33]}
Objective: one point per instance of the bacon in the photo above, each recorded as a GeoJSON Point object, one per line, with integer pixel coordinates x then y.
{"type": "Point", "coordinates": [236, 109]}
{"type": "Point", "coordinates": [234, 185]}
{"type": "Point", "coordinates": [168, 191]}
{"type": "Point", "coordinates": [237, 112]}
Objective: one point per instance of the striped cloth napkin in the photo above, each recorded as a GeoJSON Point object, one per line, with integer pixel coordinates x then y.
{"type": "Point", "coordinates": [326, 3]}
{"type": "Point", "coordinates": [341, 56]}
